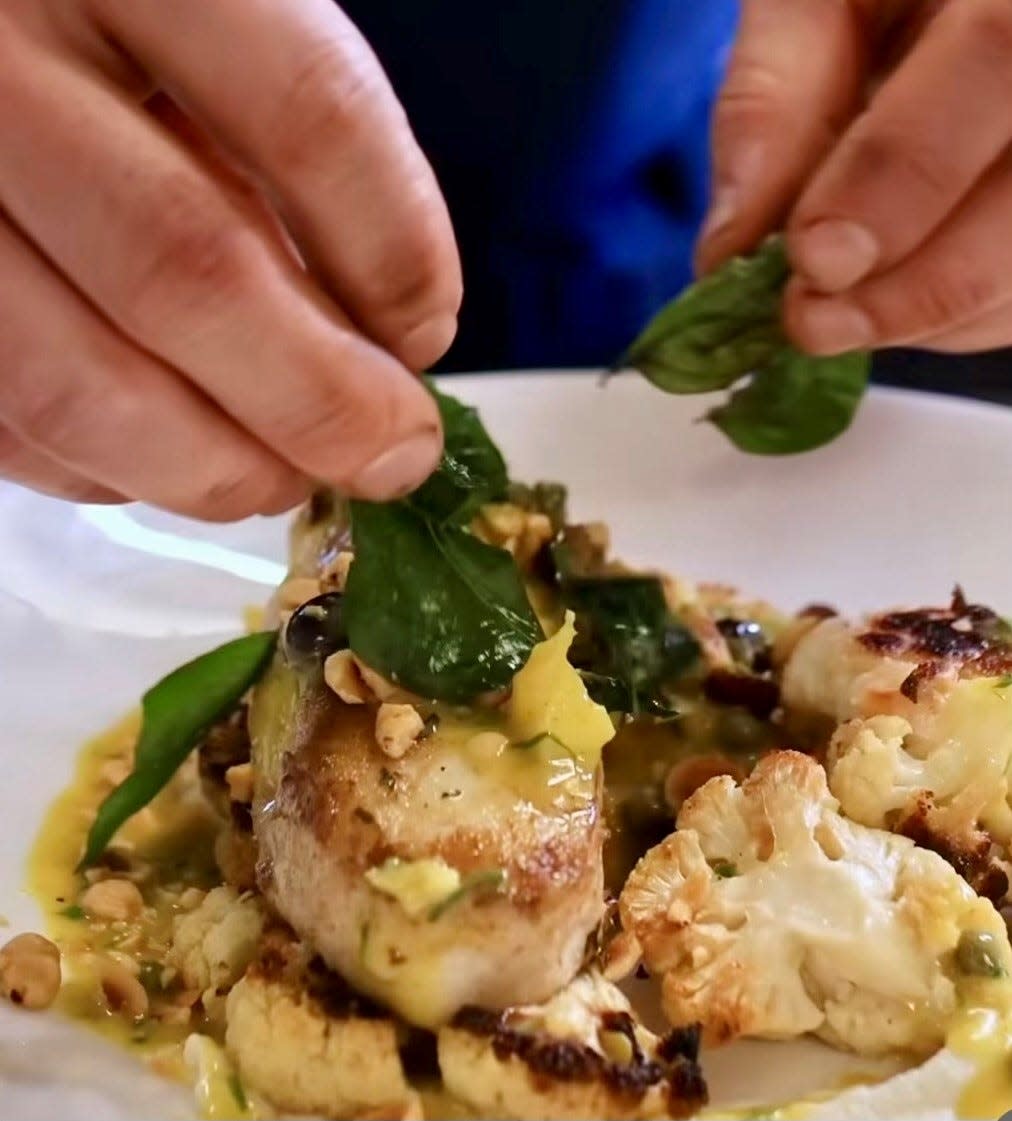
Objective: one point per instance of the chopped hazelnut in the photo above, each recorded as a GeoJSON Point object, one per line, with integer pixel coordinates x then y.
{"type": "Point", "coordinates": [240, 782]}
{"type": "Point", "coordinates": [114, 899]}
{"type": "Point", "coordinates": [122, 990]}
{"type": "Point", "coordinates": [296, 591]}
{"type": "Point", "coordinates": [30, 971]}
{"type": "Point", "coordinates": [398, 728]}
{"type": "Point", "coordinates": [341, 673]}
{"type": "Point", "coordinates": [334, 576]}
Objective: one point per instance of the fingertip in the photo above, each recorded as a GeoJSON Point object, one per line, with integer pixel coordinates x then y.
{"type": "Point", "coordinates": [832, 254]}
{"type": "Point", "coordinates": [398, 470]}
{"type": "Point", "coordinates": [824, 325]}
{"type": "Point", "coordinates": [425, 344]}
{"type": "Point", "coordinates": [292, 491]}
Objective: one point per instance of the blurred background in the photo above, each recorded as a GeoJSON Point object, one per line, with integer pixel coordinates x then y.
{"type": "Point", "coordinates": [570, 138]}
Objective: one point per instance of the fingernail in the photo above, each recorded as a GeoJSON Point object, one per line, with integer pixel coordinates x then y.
{"type": "Point", "coordinates": [720, 217]}
{"type": "Point", "coordinates": [723, 209]}
{"type": "Point", "coordinates": [736, 170]}
{"type": "Point", "coordinates": [429, 341]}
{"type": "Point", "coordinates": [833, 326]}
{"type": "Point", "coordinates": [833, 255]}
{"type": "Point", "coordinates": [398, 470]}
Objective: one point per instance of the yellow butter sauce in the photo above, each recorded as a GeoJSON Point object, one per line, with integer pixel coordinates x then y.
{"type": "Point", "coordinates": [172, 843]}
{"type": "Point", "coordinates": [174, 837]}
{"type": "Point", "coordinates": [984, 1036]}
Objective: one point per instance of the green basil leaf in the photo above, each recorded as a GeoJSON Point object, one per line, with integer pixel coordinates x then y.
{"type": "Point", "coordinates": [719, 329]}
{"type": "Point", "coordinates": [628, 639]}
{"type": "Point", "coordinates": [726, 327]}
{"type": "Point", "coordinates": [433, 608]}
{"type": "Point", "coordinates": [176, 713]}
{"type": "Point", "coordinates": [471, 471]}
{"type": "Point", "coordinates": [794, 404]}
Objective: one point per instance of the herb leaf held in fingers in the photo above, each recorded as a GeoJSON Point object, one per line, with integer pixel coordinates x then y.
{"type": "Point", "coordinates": [176, 713]}
{"type": "Point", "coordinates": [471, 471]}
{"type": "Point", "coordinates": [432, 607]}
{"type": "Point", "coordinates": [726, 327]}
{"type": "Point", "coordinates": [429, 605]}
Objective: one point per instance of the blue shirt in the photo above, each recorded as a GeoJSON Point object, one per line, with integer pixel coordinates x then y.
{"type": "Point", "coordinates": [570, 138]}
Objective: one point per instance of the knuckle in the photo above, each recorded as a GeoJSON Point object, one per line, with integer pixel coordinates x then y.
{"type": "Point", "coordinates": [314, 431]}
{"type": "Point", "coordinates": [194, 256]}
{"type": "Point", "coordinates": [53, 414]}
{"type": "Point", "coordinates": [753, 98]}
{"type": "Point", "coordinates": [231, 495]}
{"type": "Point", "coordinates": [419, 280]}
{"type": "Point", "coordinates": [329, 100]}
{"type": "Point", "coordinates": [330, 430]}
{"type": "Point", "coordinates": [939, 297]}
{"type": "Point", "coordinates": [916, 162]}
{"type": "Point", "coordinates": [71, 414]}
{"type": "Point", "coordinates": [988, 29]}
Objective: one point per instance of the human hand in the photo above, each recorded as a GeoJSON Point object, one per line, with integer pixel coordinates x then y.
{"type": "Point", "coordinates": [159, 336]}
{"type": "Point", "coordinates": [877, 133]}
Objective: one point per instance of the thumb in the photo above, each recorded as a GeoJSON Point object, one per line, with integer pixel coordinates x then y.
{"type": "Point", "coordinates": [794, 80]}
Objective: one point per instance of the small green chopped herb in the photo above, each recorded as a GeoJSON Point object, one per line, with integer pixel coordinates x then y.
{"type": "Point", "coordinates": [724, 869]}
{"type": "Point", "coordinates": [491, 881]}
{"type": "Point", "coordinates": [235, 1085]}
{"type": "Point", "coordinates": [74, 911]}
{"type": "Point", "coordinates": [177, 712]}
{"type": "Point", "coordinates": [539, 738]}
{"type": "Point", "coordinates": [1004, 682]}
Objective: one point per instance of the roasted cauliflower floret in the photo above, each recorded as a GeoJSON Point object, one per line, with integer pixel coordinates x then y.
{"type": "Point", "coordinates": [768, 913]}
{"type": "Point", "coordinates": [925, 726]}
{"type": "Point", "coordinates": [212, 945]}
{"type": "Point", "coordinates": [580, 1054]}
{"type": "Point", "coordinates": [304, 1040]}
{"type": "Point", "coordinates": [942, 799]}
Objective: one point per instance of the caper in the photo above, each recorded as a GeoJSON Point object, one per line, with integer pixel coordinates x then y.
{"type": "Point", "coordinates": [739, 730]}
{"type": "Point", "coordinates": [979, 952]}
{"type": "Point", "coordinates": [747, 642]}
{"type": "Point", "coordinates": [315, 630]}
{"type": "Point", "coordinates": [150, 976]}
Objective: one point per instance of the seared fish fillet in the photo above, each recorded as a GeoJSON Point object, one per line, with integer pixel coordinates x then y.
{"type": "Point", "coordinates": [331, 807]}
{"type": "Point", "coordinates": [466, 872]}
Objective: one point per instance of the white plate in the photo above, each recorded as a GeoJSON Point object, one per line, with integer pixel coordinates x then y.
{"type": "Point", "coordinates": [95, 603]}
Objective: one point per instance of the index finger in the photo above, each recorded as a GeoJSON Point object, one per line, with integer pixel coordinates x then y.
{"type": "Point", "coordinates": [794, 80]}
{"type": "Point", "coordinates": [294, 90]}
{"type": "Point", "coordinates": [906, 163]}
